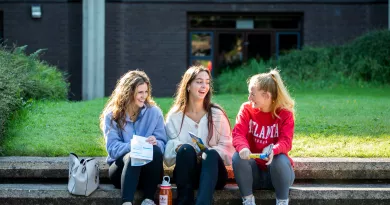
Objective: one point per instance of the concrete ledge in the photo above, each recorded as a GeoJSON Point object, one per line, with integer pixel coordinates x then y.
{"type": "Point", "coordinates": [330, 194]}
{"type": "Point", "coordinates": [342, 168]}
{"type": "Point", "coordinates": [305, 168]}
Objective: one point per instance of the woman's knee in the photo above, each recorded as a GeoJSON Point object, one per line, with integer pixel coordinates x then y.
{"type": "Point", "coordinates": [236, 159]}
{"type": "Point", "coordinates": [186, 150]}
{"type": "Point", "coordinates": [211, 155]}
{"type": "Point", "coordinates": [157, 153]}
{"type": "Point", "coordinates": [126, 159]}
{"type": "Point", "coordinates": [280, 162]}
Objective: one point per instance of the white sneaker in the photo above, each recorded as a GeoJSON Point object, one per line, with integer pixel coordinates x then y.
{"type": "Point", "coordinates": [249, 201]}
{"type": "Point", "coordinates": [281, 201]}
{"type": "Point", "coordinates": [127, 203]}
{"type": "Point", "coordinates": [147, 202]}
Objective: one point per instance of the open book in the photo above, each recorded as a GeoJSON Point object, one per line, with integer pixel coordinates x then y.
{"type": "Point", "coordinates": [198, 141]}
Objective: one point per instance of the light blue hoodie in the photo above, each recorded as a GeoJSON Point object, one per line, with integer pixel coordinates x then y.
{"type": "Point", "coordinates": [150, 121]}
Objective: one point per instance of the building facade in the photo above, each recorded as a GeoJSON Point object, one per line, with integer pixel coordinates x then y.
{"type": "Point", "coordinates": [164, 37]}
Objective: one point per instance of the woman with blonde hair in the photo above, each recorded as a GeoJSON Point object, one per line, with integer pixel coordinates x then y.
{"type": "Point", "coordinates": [264, 124]}
{"type": "Point", "coordinates": [194, 112]}
{"type": "Point", "coordinates": [131, 111]}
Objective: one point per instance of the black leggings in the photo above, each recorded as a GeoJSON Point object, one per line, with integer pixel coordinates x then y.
{"type": "Point", "coordinates": [125, 176]}
{"type": "Point", "coordinates": [208, 175]}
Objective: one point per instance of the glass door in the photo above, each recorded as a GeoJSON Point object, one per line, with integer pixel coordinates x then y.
{"type": "Point", "coordinates": [201, 49]}
{"type": "Point", "coordinates": [258, 46]}
{"type": "Point", "coordinates": [229, 50]}
{"type": "Point", "coordinates": [233, 48]}
{"type": "Point", "coordinates": [286, 41]}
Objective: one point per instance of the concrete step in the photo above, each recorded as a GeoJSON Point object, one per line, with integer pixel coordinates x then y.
{"type": "Point", "coordinates": [313, 194]}
{"type": "Point", "coordinates": [305, 168]}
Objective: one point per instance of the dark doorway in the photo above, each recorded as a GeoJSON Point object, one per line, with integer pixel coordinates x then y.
{"type": "Point", "coordinates": [235, 48]}
{"type": "Point", "coordinates": [230, 50]}
{"type": "Point", "coordinates": [287, 41]}
{"type": "Point", "coordinates": [236, 38]}
{"type": "Point", "coordinates": [259, 46]}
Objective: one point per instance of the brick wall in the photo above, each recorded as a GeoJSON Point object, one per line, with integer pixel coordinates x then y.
{"type": "Point", "coordinates": [153, 36]}
{"type": "Point", "coordinates": [50, 31]}
{"type": "Point", "coordinates": [58, 31]}
{"type": "Point", "coordinates": [75, 48]}
{"type": "Point", "coordinates": [149, 37]}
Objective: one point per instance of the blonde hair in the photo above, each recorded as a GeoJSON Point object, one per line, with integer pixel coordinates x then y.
{"type": "Point", "coordinates": [273, 83]}
{"type": "Point", "coordinates": [182, 97]}
{"type": "Point", "coordinates": [122, 98]}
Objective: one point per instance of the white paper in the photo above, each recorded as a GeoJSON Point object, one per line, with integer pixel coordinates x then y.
{"type": "Point", "coordinates": [138, 162]}
{"type": "Point", "coordinates": [141, 151]}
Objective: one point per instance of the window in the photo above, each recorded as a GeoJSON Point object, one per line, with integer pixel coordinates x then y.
{"type": "Point", "coordinates": [261, 21]}
{"type": "Point", "coordinates": [201, 49]}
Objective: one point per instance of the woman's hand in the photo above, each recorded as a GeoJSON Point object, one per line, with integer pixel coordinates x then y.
{"type": "Point", "coordinates": [244, 153]}
{"type": "Point", "coordinates": [152, 140]}
{"type": "Point", "coordinates": [270, 158]}
{"type": "Point", "coordinates": [269, 151]}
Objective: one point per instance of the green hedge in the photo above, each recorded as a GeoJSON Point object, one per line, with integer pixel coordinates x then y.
{"type": "Point", "coordinates": [364, 61]}
{"type": "Point", "coordinates": [368, 57]}
{"type": "Point", "coordinates": [24, 78]}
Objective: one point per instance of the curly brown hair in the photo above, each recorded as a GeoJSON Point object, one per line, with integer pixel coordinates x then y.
{"type": "Point", "coordinates": [122, 98]}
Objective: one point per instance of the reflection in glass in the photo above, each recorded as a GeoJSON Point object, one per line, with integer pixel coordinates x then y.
{"type": "Point", "coordinates": [259, 46]}
{"type": "Point", "coordinates": [287, 42]}
{"type": "Point", "coordinates": [285, 22]}
{"type": "Point", "coordinates": [201, 44]}
{"type": "Point", "coordinates": [206, 63]}
{"type": "Point", "coordinates": [212, 21]}
{"type": "Point", "coordinates": [260, 21]}
{"type": "Point", "coordinates": [230, 50]}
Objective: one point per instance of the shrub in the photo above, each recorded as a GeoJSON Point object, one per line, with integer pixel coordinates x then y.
{"type": "Point", "coordinates": [24, 78]}
{"type": "Point", "coordinates": [363, 61]}
{"type": "Point", "coordinates": [235, 80]}
{"type": "Point", "coordinates": [368, 57]}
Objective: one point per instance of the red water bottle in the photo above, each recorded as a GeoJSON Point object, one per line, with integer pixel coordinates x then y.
{"type": "Point", "coordinates": [165, 197]}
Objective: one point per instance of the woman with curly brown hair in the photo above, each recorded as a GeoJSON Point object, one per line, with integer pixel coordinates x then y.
{"type": "Point", "coordinates": [131, 111]}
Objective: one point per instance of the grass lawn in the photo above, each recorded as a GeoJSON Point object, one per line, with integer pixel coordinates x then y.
{"type": "Point", "coordinates": [334, 123]}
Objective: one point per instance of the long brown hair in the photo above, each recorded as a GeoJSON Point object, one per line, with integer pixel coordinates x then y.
{"type": "Point", "coordinates": [182, 97]}
{"type": "Point", "coordinates": [273, 83]}
{"type": "Point", "coordinates": [122, 98]}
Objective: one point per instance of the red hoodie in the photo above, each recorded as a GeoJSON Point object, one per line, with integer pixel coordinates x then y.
{"type": "Point", "coordinates": [255, 130]}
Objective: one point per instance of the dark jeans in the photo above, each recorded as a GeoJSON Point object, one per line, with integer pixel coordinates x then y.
{"type": "Point", "coordinates": [208, 175]}
{"type": "Point", "coordinates": [127, 177]}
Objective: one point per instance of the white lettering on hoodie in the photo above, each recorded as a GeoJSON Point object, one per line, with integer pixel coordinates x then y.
{"type": "Point", "coordinates": [264, 133]}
